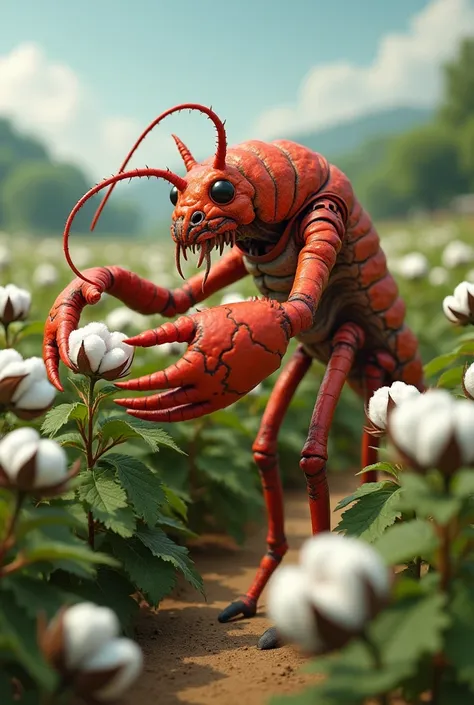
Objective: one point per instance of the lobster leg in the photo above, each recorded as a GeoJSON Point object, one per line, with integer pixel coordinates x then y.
{"type": "Point", "coordinates": [265, 450]}
{"type": "Point", "coordinates": [346, 342]}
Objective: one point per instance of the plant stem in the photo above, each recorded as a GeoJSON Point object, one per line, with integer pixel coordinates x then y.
{"type": "Point", "coordinates": [89, 439]}
{"type": "Point", "coordinates": [374, 652]}
{"type": "Point", "coordinates": [7, 337]}
{"type": "Point", "coordinates": [7, 539]}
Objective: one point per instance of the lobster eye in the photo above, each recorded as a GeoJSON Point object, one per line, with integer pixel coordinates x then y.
{"type": "Point", "coordinates": [222, 192]}
{"type": "Point", "coordinates": [174, 195]}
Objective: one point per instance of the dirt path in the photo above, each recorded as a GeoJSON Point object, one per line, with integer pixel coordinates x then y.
{"type": "Point", "coordinates": [192, 659]}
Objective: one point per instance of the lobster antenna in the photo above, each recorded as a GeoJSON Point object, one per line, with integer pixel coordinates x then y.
{"type": "Point", "coordinates": [186, 155]}
{"type": "Point", "coordinates": [219, 160]}
{"type": "Point", "coordinates": [111, 181]}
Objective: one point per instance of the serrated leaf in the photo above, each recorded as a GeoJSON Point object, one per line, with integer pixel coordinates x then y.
{"type": "Point", "coordinates": [60, 415]}
{"type": "Point", "coordinates": [102, 493]}
{"type": "Point", "coordinates": [175, 525]}
{"type": "Point", "coordinates": [176, 503]}
{"type": "Point", "coordinates": [144, 489]}
{"type": "Point", "coordinates": [419, 496]}
{"type": "Point", "coordinates": [362, 490]}
{"type": "Point", "coordinates": [163, 547]}
{"type": "Point", "coordinates": [372, 513]}
{"type": "Point", "coordinates": [153, 576]}
{"type": "Point", "coordinates": [153, 435]}
{"type": "Point", "coordinates": [406, 541]}
{"type": "Point", "coordinates": [411, 628]}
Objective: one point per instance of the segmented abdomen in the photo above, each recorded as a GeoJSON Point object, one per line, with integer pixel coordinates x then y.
{"type": "Point", "coordinates": [360, 289]}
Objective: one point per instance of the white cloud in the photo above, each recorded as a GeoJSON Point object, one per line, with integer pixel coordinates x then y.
{"type": "Point", "coordinates": [49, 100]}
{"type": "Point", "coordinates": [405, 71]}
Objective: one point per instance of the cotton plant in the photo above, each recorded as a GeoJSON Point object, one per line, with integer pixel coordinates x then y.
{"type": "Point", "coordinates": [456, 254]}
{"type": "Point", "coordinates": [24, 387]}
{"type": "Point", "coordinates": [83, 644]}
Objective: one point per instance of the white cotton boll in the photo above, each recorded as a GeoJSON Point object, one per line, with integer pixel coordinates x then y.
{"type": "Point", "coordinates": [459, 308]}
{"type": "Point", "coordinates": [413, 266]}
{"type": "Point", "coordinates": [116, 339]}
{"type": "Point", "coordinates": [378, 404]}
{"type": "Point", "coordinates": [435, 430]}
{"type": "Point", "coordinates": [51, 464]}
{"type": "Point", "coordinates": [463, 423]}
{"type": "Point", "coordinates": [468, 381]}
{"type": "Point", "coordinates": [5, 257]}
{"type": "Point", "coordinates": [23, 456]}
{"type": "Point", "coordinates": [94, 349]}
{"type": "Point", "coordinates": [11, 444]}
{"type": "Point", "coordinates": [35, 371]}
{"type": "Point", "coordinates": [20, 301]}
{"type": "Point", "coordinates": [112, 360]}
{"type": "Point", "coordinates": [45, 274]}
{"type": "Point", "coordinates": [123, 317]}
{"type": "Point", "coordinates": [438, 276]}
{"type": "Point", "coordinates": [289, 608]}
{"type": "Point", "coordinates": [118, 653]}
{"type": "Point", "coordinates": [39, 395]}
{"type": "Point", "coordinates": [7, 356]}
{"type": "Point", "coordinates": [457, 253]}
{"type": "Point", "coordinates": [86, 628]}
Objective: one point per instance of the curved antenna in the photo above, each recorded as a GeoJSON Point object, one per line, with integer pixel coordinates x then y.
{"type": "Point", "coordinates": [111, 181]}
{"type": "Point", "coordinates": [186, 155]}
{"type": "Point", "coordinates": [219, 161]}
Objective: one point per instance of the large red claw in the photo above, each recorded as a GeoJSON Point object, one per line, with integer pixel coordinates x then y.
{"type": "Point", "coordinates": [232, 348]}
{"type": "Point", "coordinates": [180, 331]}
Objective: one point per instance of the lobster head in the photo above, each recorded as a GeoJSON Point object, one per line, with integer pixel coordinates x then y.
{"type": "Point", "coordinates": [210, 202]}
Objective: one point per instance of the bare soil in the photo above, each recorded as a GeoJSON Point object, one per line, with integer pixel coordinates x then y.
{"type": "Point", "coordinates": [192, 659]}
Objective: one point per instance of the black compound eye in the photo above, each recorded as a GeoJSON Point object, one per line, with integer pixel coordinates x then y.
{"type": "Point", "coordinates": [222, 192]}
{"type": "Point", "coordinates": [174, 195]}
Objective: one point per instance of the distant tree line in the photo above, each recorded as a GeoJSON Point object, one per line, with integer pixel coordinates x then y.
{"type": "Point", "coordinates": [424, 167]}
{"type": "Point", "coordinates": [38, 193]}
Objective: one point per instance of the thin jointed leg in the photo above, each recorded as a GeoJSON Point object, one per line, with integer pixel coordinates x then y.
{"type": "Point", "coordinates": [265, 450]}
{"type": "Point", "coordinates": [347, 341]}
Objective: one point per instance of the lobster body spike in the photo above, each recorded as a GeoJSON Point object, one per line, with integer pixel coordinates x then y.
{"type": "Point", "coordinates": [186, 155]}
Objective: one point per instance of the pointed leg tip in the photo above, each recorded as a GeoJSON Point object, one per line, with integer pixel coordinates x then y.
{"type": "Point", "coordinates": [242, 608]}
{"type": "Point", "coordinates": [269, 640]}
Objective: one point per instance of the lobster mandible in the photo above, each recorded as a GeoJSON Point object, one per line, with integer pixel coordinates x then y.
{"type": "Point", "coordinates": [291, 221]}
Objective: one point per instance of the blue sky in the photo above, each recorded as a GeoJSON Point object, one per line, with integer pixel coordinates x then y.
{"type": "Point", "coordinates": [250, 59]}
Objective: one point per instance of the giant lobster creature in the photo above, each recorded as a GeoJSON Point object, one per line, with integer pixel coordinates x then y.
{"type": "Point", "coordinates": [291, 221]}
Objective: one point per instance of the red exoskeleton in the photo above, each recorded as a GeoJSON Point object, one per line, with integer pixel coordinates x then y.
{"type": "Point", "coordinates": [292, 222]}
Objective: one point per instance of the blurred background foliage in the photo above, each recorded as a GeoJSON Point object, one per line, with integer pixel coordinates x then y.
{"type": "Point", "coordinates": [407, 166]}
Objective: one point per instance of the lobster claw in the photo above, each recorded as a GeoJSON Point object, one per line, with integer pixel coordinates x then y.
{"type": "Point", "coordinates": [231, 349]}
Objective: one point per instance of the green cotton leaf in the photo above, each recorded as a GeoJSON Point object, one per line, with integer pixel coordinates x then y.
{"type": "Point", "coordinates": [406, 541]}
{"type": "Point", "coordinates": [463, 484]}
{"type": "Point", "coordinates": [163, 547]}
{"type": "Point", "coordinates": [175, 525]}
{"type": "Point", "coordinates": [18, 635]}
{"type": "Point", "coordinates": [460, 635]}
{"type": "Point", "coordinates": [439, 363]}
{"type": "Point", "coordinates": [70, 440]}
{"type": "Point", "coordinates": [372, 513]}
{"type": "Point", "coordinates": [55, 551]}
{"type": "Point", "coordinates": [362, 490]}
{"type": "Point", "coordinates": [451, 378]}
{"type": "Point", "coordinates": [217, 470]}
{"type": "Point", "coordinates": [176, 503]}
{"type": "Point", "coordinates": [151, 575]}
{"type": "Point", "coordinates": [351, 677]}
{"type": "Point", "coordinates": [144, 489]}
{"type": "Point", "coordinates": [60, 415]}
{"type": "Point", "coordinates": [107, 390]}
{"type": "Point", "coordinates": [34, 328]}
{"type": "Point", "coordinates": [102, 493]}
{"type": "Point", "coordinates": [108, 501]}
{"type": "Point", "coordinates": [411, 628]}
{"type": "Point", "coordinates": [110, 589]}
{"type": "Point", "coordinates": [466, 348]}
{"type": "Point", "coordinates": [36, 595]}
{"type": "Point", "coordinates": [388, 468]}
{"type": "Point", "coordinates": [152, 435]}
{"type": "Point", "coordinates": [419, 496]}
{"type": "Point", "coordinates": [41, 517]}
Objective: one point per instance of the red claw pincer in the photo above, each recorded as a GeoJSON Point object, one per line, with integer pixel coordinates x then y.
{"type": "Point", "coordinates": [231, 349]}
